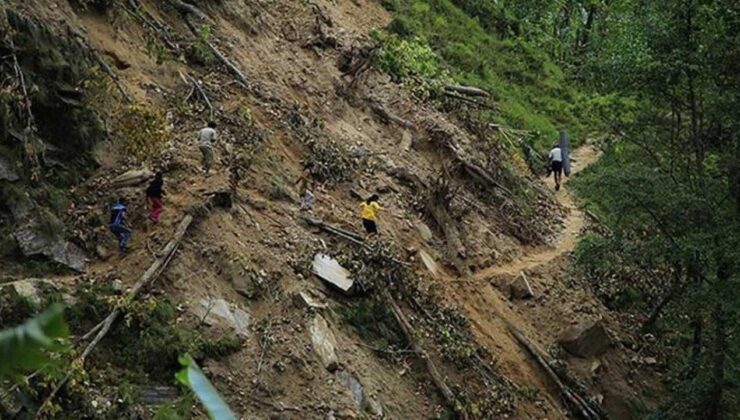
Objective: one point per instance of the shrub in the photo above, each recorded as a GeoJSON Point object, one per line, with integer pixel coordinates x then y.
{"type": "Point", "coordinates": [143, 130]}
{"type": "Point", "coordinates": [328, 161]}
{"type": "Point", "coordinates": [402, 58]}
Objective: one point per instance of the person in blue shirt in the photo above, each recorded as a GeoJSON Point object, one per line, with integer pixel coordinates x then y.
{"type": "Point", "coordinates": [117, 225]}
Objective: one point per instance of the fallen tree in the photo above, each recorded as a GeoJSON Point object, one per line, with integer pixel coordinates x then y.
{"type": "Point", "coordinates": [437, 378]}
{"type": "Point", "coordinates": [575, 401]}
{"type": "Point", "coordinates": [387, 116]}
{"type": "Point", "coordinates": [466, 90]}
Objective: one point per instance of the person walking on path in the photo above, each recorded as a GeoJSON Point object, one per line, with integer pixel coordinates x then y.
{"type": "Point", "coordinates": [206, 139]}
{"type": "Point", "coordinates": [556, 164]}
{"type": "Point", "coordinates": [117, 225]}
{"type": "Point", "coordinates": [370, 209]}
{"type": "Point", "coordinates": [154, 194]}
{"type": "Point", "coordinates": [304, 191]}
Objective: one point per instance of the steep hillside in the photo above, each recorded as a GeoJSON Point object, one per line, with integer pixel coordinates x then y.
{"type": "Point", "coordinates": [104, 92]}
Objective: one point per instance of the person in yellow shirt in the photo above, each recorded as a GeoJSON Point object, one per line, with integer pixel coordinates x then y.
{"type": "Point", "coordinates": [370, 209]}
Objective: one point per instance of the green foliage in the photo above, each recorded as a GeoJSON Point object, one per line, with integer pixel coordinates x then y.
{"type": "Point", "coordinates": [22, 348]}
{"type": "Point", "coordinates": [192, 377]}
{"type": "Point", "coordinates": [468, 42]}
{"type": "Point", "coordinates": [403, 58]}
{"type": "Point", "coordinates": [142, 130]}
{"type": "Point", "coordinates": [199, 51]}
{"type": "Point", "coordinates": [375, 323]}
{"type": "Point", "coordinates": [328, 161]}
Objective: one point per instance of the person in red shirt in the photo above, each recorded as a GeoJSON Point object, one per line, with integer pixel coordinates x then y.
{"type": "Point", "coordinates": [154, 194]}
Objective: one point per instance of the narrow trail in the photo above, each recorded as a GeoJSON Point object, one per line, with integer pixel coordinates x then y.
{"type": "Point", "coordinates": [490, 312]}
{"type": "Point", "coordinates": [537, 256]}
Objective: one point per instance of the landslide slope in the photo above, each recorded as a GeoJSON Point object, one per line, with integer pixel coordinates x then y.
{"type": "Point", "coordinates": [299, 92]}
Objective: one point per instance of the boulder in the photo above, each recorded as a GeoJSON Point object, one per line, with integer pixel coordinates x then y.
{"type": "Point", "coordinates": [33, 242]}
{"type": "Point", "coordinates": [586, 339]}
{"type": "Point", "coordinates": [324, 343]}
{"type": "Point", "coordinates": [219, 311]}
{"type": "Point", "coordinates": [353, 385]}
{"type": "Point", "coordinates": [424, 232]}
{"type": "Point", "coordinates": [520, 288]}
{"type": "Point", "coordinates": [329, 270]}
{"type": "Point", "coordinates": [131, 178]}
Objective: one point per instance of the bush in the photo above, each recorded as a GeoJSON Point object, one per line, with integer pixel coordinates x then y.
{"type": "Point", "coordinates": [143, 130]}
{"type": "Point", "coordinates": [328, 161]}
{"type": "Point", "coordinates": [402, 58]}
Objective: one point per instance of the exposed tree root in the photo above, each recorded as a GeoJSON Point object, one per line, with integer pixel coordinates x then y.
{"type": "Point", "coordinates": [386, 115]}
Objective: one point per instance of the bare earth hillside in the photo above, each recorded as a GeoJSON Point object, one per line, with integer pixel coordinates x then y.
{"type": "Point", "coordinates": [243, 270]}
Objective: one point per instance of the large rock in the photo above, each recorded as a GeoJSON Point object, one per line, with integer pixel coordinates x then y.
{"type": "Point", "coordinates": [219, 311]}
{"type": "Point", "coordinates": [329, 270]}
{"type": "Point", "coordinates": [520, 288]}
{"type": "Point", "coordinates": [131, 178]}
{"type": "Point", "coordinates": [33, 242]}
{"type": "Point", "coordinates": [586, 339]}
{"type": "Point", "coordinates": [304, 299]}
{"type": "Point", "coordinates": [6, 171]}
{"type": "Point", "coordinates": [324, 343]}
{"type": "Point", "coordinates": [26, 289]}
{"type": "Point", "coordinates": [424, 232]}
{"type": "Point", "coordinates": [429, 262]}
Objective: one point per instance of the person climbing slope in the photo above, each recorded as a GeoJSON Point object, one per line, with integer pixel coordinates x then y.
{"type": "Point", "coordinates": [370, 209]}
{"type": "Point", "coordinates": [117, 225]}
{"type": "Point", "coordinates": [206, 139]}
{"type": "Point", "coordinates": [304, 190]}
{"type": "Point", "coordinates": [154, 194]}
{"type": "Point", "coordinates": [556, 164]}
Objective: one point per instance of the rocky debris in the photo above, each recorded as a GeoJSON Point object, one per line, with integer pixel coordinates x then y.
{"type": "Point", "coordinates": [304, 299]}
{"type": "Point", "coordinates": [324, 343]}
{"type": "Point", "coordinates": [157, 395]}
{"type": "Point", "coordinates": [353, 384]}
{"type": "Point", "coordinates": [6, 171]}
{"type": "Point", "coordinates": [102, 252]}
{"type": "Point", "coordinates": [131, 178]}
{"type": "Point", "coordinates": [33, 242]}
{"type": "Point", "coordinates": [429, 262]}
{"type": "Point", "coordinates": [520, 288]}
{"type": "Point", "coordinates": [424, 232]}
{"type": "Point", "coordinates": [28, 290]}
{"type": "Point", "coordinates": [329, 270]}
{"type": "Point", "coordinates": [586, 339]}
{"type": "Point", "coordinates": [216, 311]}
{"type": "Point", "coordinates": [363, 401]}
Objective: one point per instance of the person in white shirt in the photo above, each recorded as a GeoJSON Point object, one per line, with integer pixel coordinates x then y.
{"type": "Point", "coordinates": [206, 138]}
{"type": "Point", "coordinates": [555, 159]}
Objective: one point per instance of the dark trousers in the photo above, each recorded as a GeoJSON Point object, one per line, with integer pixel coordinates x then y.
{"type": "Point", "coordinates": [123, 234]}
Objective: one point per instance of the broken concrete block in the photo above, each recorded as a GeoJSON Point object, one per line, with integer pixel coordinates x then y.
{"type": "Point", "coordinates": [353, 384]}
{"type": "Point", "coordinates": [329, 270]}
{"type": "Point", "coordinates": [324, 343]}
{"type": "Point", "coordinates": [586, 339]}
{"type": "Point", "coordinates": [303, 299]}
{"type": "Point", "coordinates": [520, 288]}
{"type": "Point", "coordinates": [429, 262]}
{"type": "Point", "coordinates": [424, 232]}
{"type": "Point", "coordinates": [27, 290]}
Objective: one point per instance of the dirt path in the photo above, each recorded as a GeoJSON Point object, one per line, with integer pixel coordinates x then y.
{"type": "Point", "coordinates": [537, 256]}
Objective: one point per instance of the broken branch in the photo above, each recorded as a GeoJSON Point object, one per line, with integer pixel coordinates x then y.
{"type": "Point", "coordinates": [466, 90]}
{"type": "Point", "coordinates": [387, 116]}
